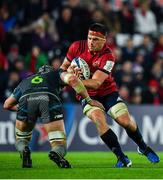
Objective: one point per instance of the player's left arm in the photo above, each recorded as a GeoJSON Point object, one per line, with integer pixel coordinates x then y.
{"type": "Point", "coordinates": [100, 75]}
{"type": "Point", "coordinates": [97, 80]}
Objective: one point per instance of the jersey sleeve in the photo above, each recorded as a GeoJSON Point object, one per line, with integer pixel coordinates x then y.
{"type": "Point", "coordinates": [17, 93]}
{"type": "Point", "coordinates": [72, 51]}
{"type": "Point", "coordinates": [107, 63]}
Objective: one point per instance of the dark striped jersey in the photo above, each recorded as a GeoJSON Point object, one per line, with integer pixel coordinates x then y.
{"type": "Point", "coordinates": [102, 60]}
{"type": "Point", "coordinates": [48, 82]}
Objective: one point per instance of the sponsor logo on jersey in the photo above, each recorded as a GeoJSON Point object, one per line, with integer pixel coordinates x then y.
{"type": "Point", "coordinates": [58, 116]}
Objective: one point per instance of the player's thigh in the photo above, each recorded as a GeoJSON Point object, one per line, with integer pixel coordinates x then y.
{"type": "Point", "coordinates": [50, 109]}
{"type": "Point", "coordinates": [24, 126]}
{"type": "Point", "coordinates": [28, 109]}
{"type": "Point", "coordinates": [55, 126]}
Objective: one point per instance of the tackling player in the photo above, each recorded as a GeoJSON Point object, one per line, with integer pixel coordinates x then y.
{"type": "Point", "coordinates": [39, 96]}
{"type": "Point", "coordinates": [102, 87]}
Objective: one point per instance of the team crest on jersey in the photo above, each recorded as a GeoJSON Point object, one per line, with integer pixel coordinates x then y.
{"type": "Point", "coordinates": [96, 64]}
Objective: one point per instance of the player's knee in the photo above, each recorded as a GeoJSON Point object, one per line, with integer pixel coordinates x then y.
{"type": "Point", "coordinates": [97, 115]}
{"type": "Point", "coordinates": [124, 122]}
{"type": "Point", "coordinates": [118, 110]}
{"type": "Point", "coordinates": [23, 134]}
{"type": "Point", "coordinates": [92, 111]}
{"type": "Point", "coordinates": [57, 137]}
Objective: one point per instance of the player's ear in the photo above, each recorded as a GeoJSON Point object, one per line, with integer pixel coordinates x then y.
{"type": "Point", "coordinates": [105, 40]}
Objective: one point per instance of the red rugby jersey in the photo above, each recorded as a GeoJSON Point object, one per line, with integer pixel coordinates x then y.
{"type": "Point", "coordinates": [102, 60]}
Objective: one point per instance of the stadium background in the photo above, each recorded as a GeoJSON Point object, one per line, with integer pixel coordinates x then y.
{"type": "Point", "coordinates": [34, 32]}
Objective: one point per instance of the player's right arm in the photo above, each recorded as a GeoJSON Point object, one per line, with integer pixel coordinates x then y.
{"type": "Point", "coordinates": [73, 81]}
{"type": "Point", "coordinates": [11, 103]}
{"type": "Point", "coordinates": [71, 54]}
{"type": "Point", "coordinates": [65, 64]}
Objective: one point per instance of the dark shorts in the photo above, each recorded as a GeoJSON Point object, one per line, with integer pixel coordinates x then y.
{"type": "Point", "coordinates": [108, 100]}
{"type": "Point", "coordinates": [45, 106]}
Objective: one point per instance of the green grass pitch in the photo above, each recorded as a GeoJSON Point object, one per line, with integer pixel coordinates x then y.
{"type": "Point", "coordinates": [86, 165]}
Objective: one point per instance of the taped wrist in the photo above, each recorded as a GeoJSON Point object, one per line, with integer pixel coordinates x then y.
{"type": "Point", "coordinates": [79, 87]}
{"type": "Point", "coordinates": [86, 101]}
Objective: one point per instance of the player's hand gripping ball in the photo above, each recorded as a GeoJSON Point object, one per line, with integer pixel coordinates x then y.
{"type": "Point", "coordinates": [81, 64]}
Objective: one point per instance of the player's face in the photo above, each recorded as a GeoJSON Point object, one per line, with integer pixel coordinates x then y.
{"type": "Point", "coordinates": [95, 43]}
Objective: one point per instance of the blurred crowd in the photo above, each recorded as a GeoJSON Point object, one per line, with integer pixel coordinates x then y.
{"type": "Point", "coordinates": [35, 32]}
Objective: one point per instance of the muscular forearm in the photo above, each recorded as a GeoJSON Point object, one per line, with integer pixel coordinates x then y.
{"type": "Point", "coordinates": [65, 64]}
{"type": "Point", "coordinates": [75, 83]}
{"type": "Point", "coordinates": [91, 83]}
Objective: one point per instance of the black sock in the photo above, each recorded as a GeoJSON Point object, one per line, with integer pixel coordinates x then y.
{"type": "Point", "coordinates": [111, 140]}
{"type": "Point", "coordinates": [137, 138]}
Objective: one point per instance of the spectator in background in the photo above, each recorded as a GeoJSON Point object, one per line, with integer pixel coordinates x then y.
{"type": "Point", "coordinates": [123, 75]}
{"type": "Point", "coordinates": [50, 26]}
{"type": "Point", "coordinates": [13, 81]}
{"type": "Point", "coordinates": [99, 17]}
{"type": "Point", "coordinates": [32, 11]}
{"type": "Point", "coordinates": [160, 90]}
{"type": "Point", "coordinates": [41, 38]}
{"type": "Point", "coordinates": [55, 62]}
{"type": "Point", "coordinates": [35, 59]}
{"type": "Point", "coordinates": [157, 7]}
{"type": "Point", "coordinates": [126, 18]}
{"type": "Point", "coordinates": [19, 67]}
{"type": "Point", "coordinates": [13, 55]}
{"type": "Point", "coordinates": [124, 93]}
{"type": "Point", "coordinates": [158, 48]}
{"type": "Point", "coordinates": [3, 61]}
{"type": "Point", "coordinates": [6, 19]}
{"type": "Point", "coordinates": [3, 74]}
{"type": "Point", "coordinates": [44, 21]}
{"type": "Point", "coordinates": [81, 18]}
{"type": "Point", "coordinates": [2, 32]}
{"type": "Point", "coordinates": [150, 96]}
{"type": "Point", "coordinates": [128, 51]}
{"type": "Point", "coordinates": [66, 27]}
{"type": "Point", "coordinates": [144, 54]}
{"type": "Point", "coordinates": [110, 15]}
{"type": "Point", "coordinates": [145, 20]}
{"type": "Point", "coordinates": [157, 68]}
{"type": "Point", "coordinates": [136, 97]}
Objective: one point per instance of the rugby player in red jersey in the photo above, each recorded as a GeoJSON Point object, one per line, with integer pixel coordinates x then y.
{"type": "Point", "coordinates": [102, 87]}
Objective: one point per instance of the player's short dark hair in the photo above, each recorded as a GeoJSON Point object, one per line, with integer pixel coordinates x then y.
{"type": "Point", "coordinates": [98, 28]}
{"type": "Point", "coordinates": [45, 69]}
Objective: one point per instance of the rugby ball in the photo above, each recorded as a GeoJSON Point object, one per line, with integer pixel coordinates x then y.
{"type": "Point", "coordinates": [80, 63]}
